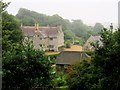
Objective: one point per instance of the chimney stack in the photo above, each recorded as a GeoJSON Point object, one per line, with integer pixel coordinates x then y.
{"type": "Point", "coordinates": [37, 26]}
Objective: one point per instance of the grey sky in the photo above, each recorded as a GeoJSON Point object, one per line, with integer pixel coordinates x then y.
{"type": "Point", "coordinates": [90, 11]}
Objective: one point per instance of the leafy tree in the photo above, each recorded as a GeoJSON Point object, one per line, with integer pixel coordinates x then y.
{"type": "Point", "coordinates": [107, 57]}
{"type": "Point", "coordinates": [84, 77]}
{"type": "Point", "coordinates": [97, 28]}
{"type": "Point", "coordinates": [69, 34]}
{"type": "Point", "coordinates": [80, 29]}
{"type": "Point", "coordinates": [28, 17]}
{"type": "Point", "coordinates": [2, 9]}
{"type": "Point", "coordinates": [103, 72]}
{"type": "Point", "coordinates": [11, 32]}
{"type": "Point", "coordinates": [23, 66]}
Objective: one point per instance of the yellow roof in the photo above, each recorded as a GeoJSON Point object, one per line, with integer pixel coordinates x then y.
{"type": "Point", "coordinates": [74, 48]}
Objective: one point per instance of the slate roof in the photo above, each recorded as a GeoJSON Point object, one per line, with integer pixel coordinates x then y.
{"type": "Point", "coordinates": [45, 31]}
{"type": "Point", "coordinates": [70, 57]}
{"type": "Point", "coordinates": [28, 30]}
{"type": "Point", "coordinates": [49, 31]}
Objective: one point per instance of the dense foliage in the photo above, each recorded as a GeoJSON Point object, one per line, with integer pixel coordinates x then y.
{"type": "Point", "coordinates": [10, 30]}
{"type": "Point", "coordinates": [25, 67]}
{"type": "Point", "coordinates": [103, 72]}
{"type": "Point", "coordinates": [22, 66]}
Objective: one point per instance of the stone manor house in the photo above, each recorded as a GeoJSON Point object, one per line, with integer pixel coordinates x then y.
{"type": "Point", "coordinates": [47, 38]}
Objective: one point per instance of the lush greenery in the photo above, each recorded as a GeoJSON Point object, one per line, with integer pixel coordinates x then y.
{"type": "Point", "coordinates": [22, 66]}
{"type": "Point", "coordinates": [103, 72]}
{"type": "Point", "coordinates": [76, 31]}
{"type": "Point", "coordinates": [26, 68]}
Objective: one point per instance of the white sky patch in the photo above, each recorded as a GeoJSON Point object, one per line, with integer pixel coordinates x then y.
{"type": "Point", "coordinates": [90, 11]}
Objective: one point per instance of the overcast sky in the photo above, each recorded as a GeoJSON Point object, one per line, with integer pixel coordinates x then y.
{"type": "Point", "coordinates": [90, 11]}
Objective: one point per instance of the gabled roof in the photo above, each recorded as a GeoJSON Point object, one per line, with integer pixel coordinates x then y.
{"type": "Point", "coordinates": [70, 57]}
{"type": "Point", "coordinates": [47, 31]}
{"type": "Point", "coordinates": [92, 39]}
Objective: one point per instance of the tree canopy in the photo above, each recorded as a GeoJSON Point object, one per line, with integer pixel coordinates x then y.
{"type": "Point", "coordinates": [22, 66]}
{"type": "Point", "coordinates": [25, 68]}
{"type": "Point", "coordinates": [97, 28]}
{"type": "Point", "coordinates": [103, 71]}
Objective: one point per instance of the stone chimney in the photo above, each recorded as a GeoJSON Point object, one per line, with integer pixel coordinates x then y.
{"type": "Point", "coordinates": [37, 26]}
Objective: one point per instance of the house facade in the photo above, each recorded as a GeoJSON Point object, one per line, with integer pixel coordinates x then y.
{"type": "Point", "coordinates": [92, 40]}
{"type": "Point", "coordinates": [46, 38]}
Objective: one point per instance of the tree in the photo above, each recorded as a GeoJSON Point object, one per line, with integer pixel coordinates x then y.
{"type": "Point", "coordinates": [103, 72]}
{"type": "Point", "coordinates": [107, 57]}
{"type": "Point", "coordinates": [80, 29]}
{"type": "Point", "coordinates": [11, 32]}
{"type": "Point", "coordinates": [24, 67]}
{"type": "Point", "coordinates": [97, 28]}
{"type": "Point", "coordinates": [69, 34]}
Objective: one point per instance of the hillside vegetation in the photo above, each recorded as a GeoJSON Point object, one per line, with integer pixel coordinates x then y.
{"type": "Point", "coordinates": [75, 31]}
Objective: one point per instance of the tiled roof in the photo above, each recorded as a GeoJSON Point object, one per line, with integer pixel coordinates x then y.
{"type": "Point", "coordinates": [28, 30]}
{"type": "Point", "coordinates": [45, 31]}
{"type": "Point", "coordinates": [70, 57]}
{"type": "Point", "coordinates": [49, 31]}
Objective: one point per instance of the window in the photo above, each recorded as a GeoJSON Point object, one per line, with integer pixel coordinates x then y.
{"type": "Point", "coordinates": [40, 45]}
{"type": "Point", "coordinates": [40, 38]}
{"type": "Point", "coordinates": [51, 38]}
{"type": "Point", "coordinates": [51, 46]}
